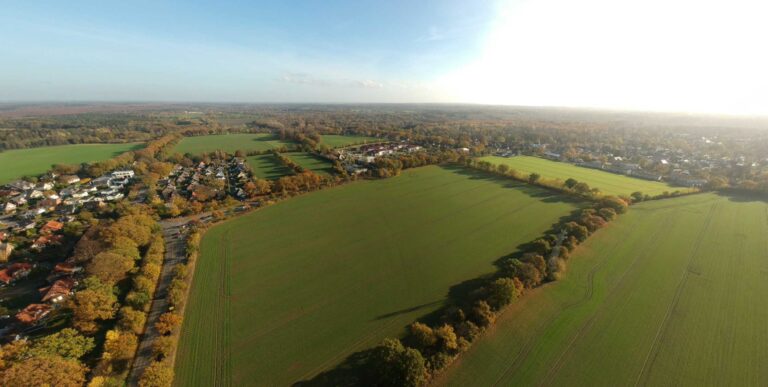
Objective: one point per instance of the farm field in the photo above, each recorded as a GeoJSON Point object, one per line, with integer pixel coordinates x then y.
{"type": "Point", "coordinates": [672, 293]}
{"type": "Point", "coordinates": [290, 290]}
{"type": "Point", "coordinates": [609, 183]}
{"type": "Point", "coordinates": [229, 143]}
{"type": "Point", "coordinates": [267, 167]}
{"type": "Point", "coordinates": [34, 161]}
{"type": "Point", "coordinates": [338, 141]}
{"type": "Point", "coordinates": [314, 163]}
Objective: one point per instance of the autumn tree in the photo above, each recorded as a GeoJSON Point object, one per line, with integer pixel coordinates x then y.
{"type": "Point", "coordinates": [95, 302]}
{"type": "Point", "coordinates": [110, 267]}
{"type": "Point", "coordinates": [157, 375]}
{"type": "Point", "coordinates": [67, 343]}
{"type": "Point", "coordinates": [167, 322]}
{"type": "Point", "coordinates": [45, 371]}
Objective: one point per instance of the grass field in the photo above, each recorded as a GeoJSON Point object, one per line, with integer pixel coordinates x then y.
{"type": "Point", "coordinates": [268, 167]}
{"type": "Point", "coordinates": [290, 290]}
{"type": "Point", "coordinates": [673, 293]}
{"type": "Point", "coordinates": [609, 183]}
{"type": "Point", "coordinates": [35, 161]}
{"type": "Point", "coordinates": [338, 141]}
{"type": "Point", "coordinates": [229, 143]}
{"type": "Point", "coordinates": [314, 163]}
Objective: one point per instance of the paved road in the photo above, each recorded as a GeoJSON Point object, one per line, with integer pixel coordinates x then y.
{"type": "Point", "coordinates": [174, 253]}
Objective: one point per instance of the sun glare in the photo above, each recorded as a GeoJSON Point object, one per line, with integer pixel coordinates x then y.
{"type": "Point", "coordinates": [659, 55]}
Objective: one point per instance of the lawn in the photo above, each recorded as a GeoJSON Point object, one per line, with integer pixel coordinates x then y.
{"type": "Point", "coordinates": [609, 183]}
{"type": "Point", "coordinates": [36, 161]}
{"type": "Point", "coordinates": [314, 163]}
{"type": "Point", "coordinates": [230, 143]}
{"type": "Point", "coordinates": [290, 290]}
{"type": "Point", "coordinates": [673, 293]}
{"type": "Point", "coordinates": [338, 141]}
{"type": "Point", "coordinates": [268, 167]}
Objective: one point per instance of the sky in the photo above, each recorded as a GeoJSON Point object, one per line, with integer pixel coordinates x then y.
{"type": "Point", "coordinates": [673, 55]}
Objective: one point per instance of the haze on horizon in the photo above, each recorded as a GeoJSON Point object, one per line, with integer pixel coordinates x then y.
{"type": "Point", "coordinates": [692, 56]}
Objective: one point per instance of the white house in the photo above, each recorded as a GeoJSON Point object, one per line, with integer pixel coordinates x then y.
{"type": "Point", "coordinates": [123, 174]}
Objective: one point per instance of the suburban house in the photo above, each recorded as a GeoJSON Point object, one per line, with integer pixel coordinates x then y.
{"type": "Point", "coordinates": [14, 272]}
{"type": "Point", "coordinates": [60, 290]}
{"type": "Point", "coordinates": [68, 179]}
{"type": "Point", "coordinates": [123, 174]}
{"type": "Point", "coordinates": [5, 251]}
{"type": "Point", "coordinates": [51, 227]}
{"type": "Point", "coordinates": [33, 313]}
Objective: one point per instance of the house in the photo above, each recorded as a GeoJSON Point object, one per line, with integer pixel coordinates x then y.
{"type": "Point", "coordinates": [49, 203]}
{"type": "Point", "coordinates": [66, 268]}
{"type": "Point", "coordinates": [59, 290]}
{"type": "Point", "coordinates": [46, 240]}
{"type": "Point", "coordinates": [5, 251]}
{"type": "Point", "coordinates": [15, 272]}
{"type": "Point", "coordinates": [21, 185]}
{"type": "Point", "coordinates": [123, 174]}
{"type": "Point", "coordinates": [44, 186]}
{"type": "Point", "coordinates": [35, 194]}
{"type": "Point", "coordinates": [51, 227]}
{"type": "Point", "coordinates": [19, 200]}
{"type": "Point", "coordinates": [33, 313]}
{"type": "Point", "coordinates": [9, 208]}
{"type": "Point", "coordinates": [69, 179]}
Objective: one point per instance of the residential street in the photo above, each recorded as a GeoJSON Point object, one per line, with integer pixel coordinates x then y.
{"type": "Point", "coordinates": [174, 253]}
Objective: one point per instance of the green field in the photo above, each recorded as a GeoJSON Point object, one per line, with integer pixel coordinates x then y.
{"type": "Point", "coordinates": [609, 183]}
{"type": "Point", "coordinates": [314, 163]}
{"type": "Point", "coordinates": [673, 293]}
{"type": "Point", "coordinates": [338, 141]}
{"type": "Point", "coordinates": [267, 167]}
{"type": "Point", "coordinates": [290, 290]}
{"type": "Point", "coordinates": [230, 143]}
{"type": "Point", "coordinates": [36, 161]}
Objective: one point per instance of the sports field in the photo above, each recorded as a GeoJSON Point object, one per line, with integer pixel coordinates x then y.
{"type": "Point", "coordinates": [230, 143]}
{"type": "Point", "coordinates": [609, 183]}
{"type": "Point", "coordinates": [267, 167]}
{"type": "Point", "coordinates": [673, 293]}
{"type": "Point", "coordinates": [290, 290]}
{"type": "Point", "coordinates": [35, 161]}
{"type": "Point", "coordinates": [338, 141]}
{"type": "Point", "coordinates": [314, 163]}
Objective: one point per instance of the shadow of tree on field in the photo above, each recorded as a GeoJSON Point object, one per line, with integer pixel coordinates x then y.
{"type": "Point", "coordinates": [350, 372]}
{"type": "Point", "coordinates": [408, 310]}
{"type": "Point", "coordinates": [543, 194]}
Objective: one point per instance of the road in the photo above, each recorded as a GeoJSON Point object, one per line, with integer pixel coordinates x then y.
{"type": "Point", "coordinates": [175, 253]}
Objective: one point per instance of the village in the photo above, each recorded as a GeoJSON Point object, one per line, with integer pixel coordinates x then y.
{"type": "Point", "coordinates": [40, 222]}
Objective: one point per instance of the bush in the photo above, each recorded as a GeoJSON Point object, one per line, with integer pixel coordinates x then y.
{"type": "Point", "coordinates": [157, 374]}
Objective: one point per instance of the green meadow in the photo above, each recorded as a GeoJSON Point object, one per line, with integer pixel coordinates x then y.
{"type": "Point", "coordinates": [267, 167]}
{"type": "Point", "coordinates": [35, 161]}
{"type": "Point", "coordinates": [672, 293]}
{"type": "Point", "coordinates": [609, 183]}
{"type": "Point", "coordinates": [311, 162]}
{"type": "Point", "coordinates": [290, 290]}
{"type": "Point", "coordinates": [230, 143]}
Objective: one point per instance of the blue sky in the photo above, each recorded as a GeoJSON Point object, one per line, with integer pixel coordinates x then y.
{"type": "Point", "coordinates": [234, 51]}
{"type": "Point", "coordinates": [679, 55]}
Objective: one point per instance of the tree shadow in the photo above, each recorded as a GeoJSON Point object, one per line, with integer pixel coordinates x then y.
{"type": "Point", "coordinates": [408, 310]}
{"type": "Point", "coordinates": [544, 194]}
{"type": "Point", "coordinates": [740, 196]}
{"type": "Point", "coordinates": [350, 372]}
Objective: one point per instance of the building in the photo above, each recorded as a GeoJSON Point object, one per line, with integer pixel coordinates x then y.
{"type": "Point", "coordinates": [5, 251]}
{"type": "Point", "coordinates": [69, 179]}
{"type": "Point", "coordinates": [123, 174]}
{"type": "Point", "coordinates": [33, 313]}
{"type": "Point", "coordinates": [51, 227]}
{"type": "Point", "coordinates": [15, 272]}
{"type": "Point", "coordinates": [59, 290]}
